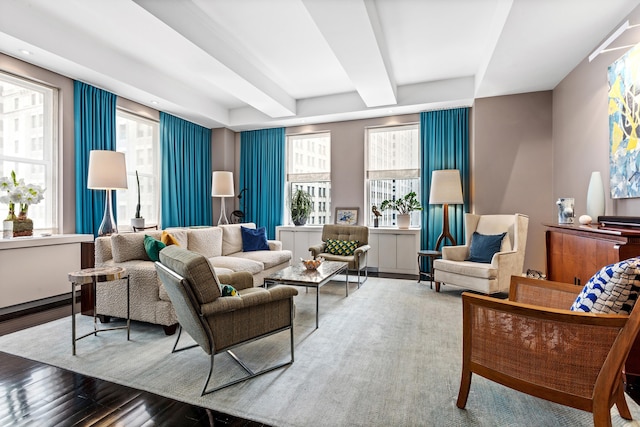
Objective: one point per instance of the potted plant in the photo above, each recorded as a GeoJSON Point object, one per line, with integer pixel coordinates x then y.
{"type": "Point", "coordinates": [138, 220]}
{"type": "Point", "coordinates": [404, 205]}
{"type": "Point", "coordinates": [300, 207]}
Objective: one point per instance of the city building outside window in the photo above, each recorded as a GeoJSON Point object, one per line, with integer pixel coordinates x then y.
{"type": "Point", "coordinates": [309, 169]}
{"type": "Point", "coordinates": [29, 144]}
{"type": "Point", "coordinates": [137, 137]}
{"type": "Point", "coordinates": [392, 169]}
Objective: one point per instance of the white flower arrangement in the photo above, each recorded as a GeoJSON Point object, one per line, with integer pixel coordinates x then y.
{"type": "Point", "coordinates": [18, 193]}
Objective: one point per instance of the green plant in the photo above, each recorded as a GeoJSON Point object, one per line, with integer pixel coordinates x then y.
{"type": "Point", "coordinates": [300, 206]}
{"type": "Point", "coordinates": [138, 205]}
{"type": "Point", "coordinates": [404, 205]}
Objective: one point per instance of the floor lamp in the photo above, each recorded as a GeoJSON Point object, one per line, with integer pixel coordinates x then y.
{"type": "Point", "coordinates": [222, 186]}
{"type": "Point", "coordinates": [107, 171]}
{"type": "Point", "coordinates": [446, 190]}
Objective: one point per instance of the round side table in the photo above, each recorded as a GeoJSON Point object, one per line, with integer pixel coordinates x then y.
{"type": "Point", "coordinates": [430, 256]}
{"type": "Point", "coordinates": [94, 276]}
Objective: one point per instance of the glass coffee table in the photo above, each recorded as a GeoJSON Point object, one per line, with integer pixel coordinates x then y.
{"type": "Point", "coordinates": [298, 275]}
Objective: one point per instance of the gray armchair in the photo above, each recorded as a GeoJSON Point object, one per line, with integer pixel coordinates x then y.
{"type": "Point", "coordinates": [219, 323]}
{"type": "Point", "coordinates": [357, 261]}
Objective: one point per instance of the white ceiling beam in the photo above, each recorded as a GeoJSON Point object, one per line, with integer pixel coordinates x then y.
{"type": "Point", "coordinates": [238, 75]}
{"type": "Point", "coordinates": [352, 30]}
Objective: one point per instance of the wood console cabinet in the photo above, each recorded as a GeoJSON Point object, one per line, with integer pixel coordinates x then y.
{"type": "Point", "coordinates": [575, 253]}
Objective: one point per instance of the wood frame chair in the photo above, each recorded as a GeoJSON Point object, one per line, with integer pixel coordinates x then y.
{"type": "Point", "coordinates": [533, 343]}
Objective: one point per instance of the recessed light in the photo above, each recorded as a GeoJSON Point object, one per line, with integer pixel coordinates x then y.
{"type": "Point", "coordinates": [25, 52]}
{"type": "Point", "coordinates": [155, 102]}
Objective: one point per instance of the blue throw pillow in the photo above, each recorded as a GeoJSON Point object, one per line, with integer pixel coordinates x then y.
{"type": "Point", "coordinates": [254, 240]}
{"type": "Point", "coordinates": [484, 246]}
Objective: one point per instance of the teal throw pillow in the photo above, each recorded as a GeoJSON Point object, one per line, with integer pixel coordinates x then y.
{"type": "Point", "coordinates": [229, 291]}
{"type": "Point", "coordinates": [153, 247]}
{"type": "Point", "coordinates": [341, 247]}
{"type": "Point", "coordinates": [484, 246]}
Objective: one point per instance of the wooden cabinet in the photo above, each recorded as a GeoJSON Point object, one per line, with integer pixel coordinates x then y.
{"type": "Point", "coordinates": [575, 253]}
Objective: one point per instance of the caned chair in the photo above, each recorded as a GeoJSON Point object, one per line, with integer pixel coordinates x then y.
{"type": "Point", "coordinates": [335, 246]}
{"type": "Point", "coordinates": [533, 343]}
{"type": "Point", "coordinates": [218, 323]}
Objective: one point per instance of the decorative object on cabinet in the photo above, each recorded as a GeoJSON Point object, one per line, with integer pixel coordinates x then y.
{"type": "Point", "coordinates": [404, 206]}
{"type": "Point", "coordinates": [595, 196]}
{"type": "Point", "coordinates": [624, 119]}
{"type": "Point", "coordinates": [585, 219]}
{"type": "Point", "coordinates": [565, 210]}
{"type": "Point", "coordinates": [376, 216]}
{"type": "Point", "coordinates": [222, 186]}
{"type": "Point", "coordinates": [347, 216]}
{"type": "Point", "coordinates": [107, 171]}
{"type": "Point", "coordinates": [300, 207]}
{"type": "Point", "coordinates": [455, 268]}
{"type": "Point", "coordinates": [137, 222]}
{"type": "Point", "coordinates": [446, 189]}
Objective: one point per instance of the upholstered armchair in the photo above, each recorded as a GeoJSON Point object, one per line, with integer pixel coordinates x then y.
{"type": "Point", "coordinates": [492, 274]}
{"type": "Point", "coordinates": [533, 343]}
{"type": "Point", "coordinates": [219, 323]}
{"type": "Point", "coordinates": [334, 248]}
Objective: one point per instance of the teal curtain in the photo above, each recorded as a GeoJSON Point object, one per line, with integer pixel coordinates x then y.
{"type": "Point", "coordinates": [262, 174]}
{"type": "Point", "coordinates": [185, 153]}
{"type": "Point", "coordinates": [95, 129]}
{"type": "Point", "coordinates": [444, 136]}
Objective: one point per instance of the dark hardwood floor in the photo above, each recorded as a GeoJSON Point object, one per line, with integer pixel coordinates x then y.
{"type": "Point", "coordinates": [36, 394]}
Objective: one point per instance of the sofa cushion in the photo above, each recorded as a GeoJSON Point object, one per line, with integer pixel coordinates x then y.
{"type": "Point", "coordinates": [341, 247]}
{"type": "Point", "coordinates": [232, 237]}
{"type": "Point", "coordinates": [237, 264]}
{"type": "Point", "coordinates": [130, 246]}
{"type": "Point", "coordinates": [483, 247]}
{"type": "Point", "coordinates": [466, 268]}
{"type": "Point", "coordinates": [267, 258]}
{"type": "Point", "coordinates": [169, 239]}
{"type": "Point", "coordinates": [195, 268]}
{"type": "Point", "coordinates": [153, 247]}
{"type": "Point", "coordinates": [254, 239]}
{"type": "Point", "coordinates": [206, 241]}
{"type": "Point", "coordinates": [613, 289]}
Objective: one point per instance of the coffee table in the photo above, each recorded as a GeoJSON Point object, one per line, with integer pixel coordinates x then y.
{"type": "Point", "coordinates": [298, 275]}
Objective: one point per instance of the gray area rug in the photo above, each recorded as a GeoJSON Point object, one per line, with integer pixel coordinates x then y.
{"type": "Point", "coordinates": [387, 355]}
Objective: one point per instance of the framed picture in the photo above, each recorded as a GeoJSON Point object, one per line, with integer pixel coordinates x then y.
{"type": "Point", "coordinates": [347, 216]}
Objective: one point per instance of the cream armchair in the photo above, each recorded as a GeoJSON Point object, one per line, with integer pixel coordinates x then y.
{"type": "Point", "coordinates": [488, 278]}
{"type": "Point", "coordinates": [357, 261]}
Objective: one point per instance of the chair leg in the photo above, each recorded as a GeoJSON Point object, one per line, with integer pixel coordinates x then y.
{"type": "Point", "coordinates": [621, 402]}
{"type": "Point", "coordinates": [601, 414]}
{"type": "Point", "coordinates": [206, 383]}
{"type": "Point", "coordinates": [465, 385]}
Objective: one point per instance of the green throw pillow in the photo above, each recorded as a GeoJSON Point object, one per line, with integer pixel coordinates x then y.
{"type": "Point", "coordinates": [341, 247]}
{"type": "Point", "coordinates": [153, 247]}
{"type": "Point", "coordinates": [229, 291]}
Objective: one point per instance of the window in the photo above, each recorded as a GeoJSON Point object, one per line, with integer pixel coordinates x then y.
{"type": "Point", "coordinates": [392, 168]}
{"type": "Point", "coordinates": [309, 168]}
{"type": "Point", "coordinates": [30, 148]}
{"type": "Point", "coordinates": [137, 137]}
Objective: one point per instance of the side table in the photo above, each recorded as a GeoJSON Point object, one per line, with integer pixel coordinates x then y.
{"type": "Point", "coordinates": [94, 276]}
{"type": "Point", "coordinates": [430, 256]}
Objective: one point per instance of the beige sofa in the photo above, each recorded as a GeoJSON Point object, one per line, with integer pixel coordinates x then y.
{"type": "Point", "coordinates": [221, 245]}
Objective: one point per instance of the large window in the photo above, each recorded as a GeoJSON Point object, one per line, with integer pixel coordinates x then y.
{"type": "Point", "coordinates": [29, 144]}
{"type": "Point", "coordinates": [393, 168]}
{"type": "Point", "coordinates": [309, 169]}
{"type": "Point", "coordinates": [137, 137]}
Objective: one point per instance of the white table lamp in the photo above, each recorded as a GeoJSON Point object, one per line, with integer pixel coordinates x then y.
{"type": "Point", "coordinates": [222, 186]}
{"type": "Point", "coordinates": [107, 171]}
{"type": "Point", "coordinates": [446, 189]}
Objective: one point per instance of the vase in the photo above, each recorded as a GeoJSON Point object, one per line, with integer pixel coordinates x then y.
{"type": "Point", "coordinates": [7, 229]}
{"type": "Point", "coordinates": [22, 227]}
{"type": "Point", "coordinates": [595, 197]}
{"type": "Point", "coordinates": [404, 220]}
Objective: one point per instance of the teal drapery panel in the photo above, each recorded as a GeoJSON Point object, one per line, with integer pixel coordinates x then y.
{"type": "Point", "coordinates": [262, 172]}
{"type": "Point", "coordinates": [95, 129]}
{"type": "Point", "coordinates": [185, 153]}
{"type": "Point", "coordinates": [444, 136]}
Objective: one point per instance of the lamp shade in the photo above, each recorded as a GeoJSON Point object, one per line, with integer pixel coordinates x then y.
{"type": "Point", "coordinates": [107, 170]}
{"type": "Point", "coordinates": [222, 184]}
{"type": "Point", "coordinates": [446, 187]}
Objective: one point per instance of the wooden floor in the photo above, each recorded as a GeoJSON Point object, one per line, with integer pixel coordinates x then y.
{"type": "Point", "coordinates": [36, 394]}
